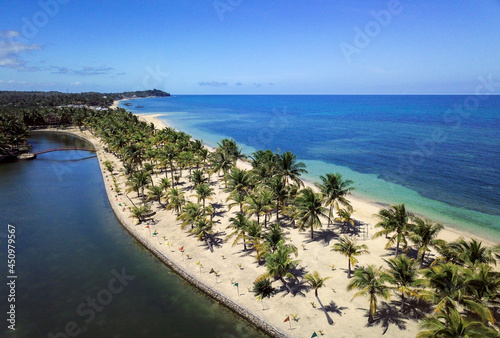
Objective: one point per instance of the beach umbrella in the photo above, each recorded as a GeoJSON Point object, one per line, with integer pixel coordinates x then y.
{"type": "Point", "coordinates": [237, 288]}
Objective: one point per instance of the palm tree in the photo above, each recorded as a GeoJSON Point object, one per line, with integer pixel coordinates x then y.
{"type": "Point", "coordinates": [403, 274]}
{"type": "Point", "coordinates": [202, 230]}
{"type": "Point", "coordinates": [168, 154]}
{"type": "Point", "coordinates": [203, 191]}
{"type": "Point", "coordinates": [448, 288]}
{"type": "Point", "coordinates": [263, 289]}
{"type": "Point", "coordinates": [239, 183]}
{"type": "Point", "coordinates": [310, 210]}
{"type": "Point", "coordinates": [198, 177]}
{"type": "Point", "coordinates": [484, 284]}
{"type": "Point", "coordinates": [472, 252]}
{"type": "Point", "coordinates": [140, 211]}
{"type": "Point", "coordinates": [279, 190]}
{"type": "Point", "coordinates": [149, 168]}
{"type": "Point", "coordinates": [316, 282]}
{"type": "Point", "coordinates": [454, 325]}
{"type": "Point", "coordinates": [191, 213]}
{"type": "Point", "coordinates": [271, 241]}
{"type": "Point", "coordinates": [156, 193]}
{"type": "Point", "coordinates": [254, 206]}
{"type": "Point", "coordinates": [394, 220]}
{"type": "Point", "coordinates": [138, 181]}
{"type": "Point", "coordinates": [239, 224]}
{"type": "Point", "coordinates": [278, 265]}
{"type": "Point", "coordinates": [371, 283]}
{"type": "Point", "coordinates": [424, 235]}
{"type": "Point", "coordinates": [344, 217]}
{"type": "Point", "coordinates": [175, 200]}
{"type": "Point", "coordinates": [349, 249]}
{"type": "Point", "coordinates": [165, 184]}
{"type": "Point", "coordinates": [335, 189]}
{"type": "Point", "coordinates": [290, 169]}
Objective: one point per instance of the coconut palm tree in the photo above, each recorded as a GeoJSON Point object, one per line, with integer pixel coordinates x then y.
{"type": "Point", "coordinates": [454, 325]}
{"type": "Point", "coordinates": [335, 189]}
{"type": "Point", "coordinates": [279, 264]}
{"type": "Point", "coordinates": [371, 281]}
{"type": "Point", "coordinates": [448, 288]}
{"type": "Point", "coordinates": [349, 249]}
{"type": "Point", "coordinates": [198, 177]}
{"type": "Point", "coordinates": [204, 192]}
{"type": "Point", "coordinates": [344, 217]}
{"type": "Point", "coordinates": [203, 230]}
{"type": "Point", "coordinates": [165, 184]}
{"type": "Point", "coordinates": [239, 182]}
{"type": "Point", "coordinates": [290, 169]}
{"type": "Point", "coordinates": [484, 284]}
{"type": "Point", "coordinates": [254, 205]}
{"type": "Point", "coordinates": [138, 181]}
{"type": "Point", "coordinates": [263, 289]}
{"type": "Point", "coordinates": [310, 210]}
{"type": "Point", "coordinates": [191, 213]}
{"type": "Point", "coordinates": [394, 220]}
{"type": "Point", "coordinates": [424, 235]}
{"type": "Point", "coordinates": [239, 224]}
{"type": "Point", "coordinates": [471, 252]}
{"type": "Point", "coordinates": [156, 193]}
{"type": "Point", "coordinates": [316, 282]}
{"type": "Point", "coordinates": [168, 155]}
{"type": "Point", "coordinates": [175, 200]}
{"type": "Point", "coordinates": [403, 274]}
{"type": "Point", "coordinates": [279, 192]}
{"type": "Point", "coordinates": [140, 211]}
{"type": "Point", "coordinates": [271, 240]}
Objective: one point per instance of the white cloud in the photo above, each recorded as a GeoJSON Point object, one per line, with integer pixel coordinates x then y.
{"type": "Point", "coordinates": [212, 84]}
{"type": "Point", "coordinates": [11, 50]}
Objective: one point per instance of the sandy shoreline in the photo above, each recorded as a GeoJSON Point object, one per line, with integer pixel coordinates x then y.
{"type": "Point", "coordinates": [237, 266]}
{"type": "Point", "coordinates": [365, 210]}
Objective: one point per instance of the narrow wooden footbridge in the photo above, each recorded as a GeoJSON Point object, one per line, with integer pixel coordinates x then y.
{"type": "Point", "coordinates": [63, 149]}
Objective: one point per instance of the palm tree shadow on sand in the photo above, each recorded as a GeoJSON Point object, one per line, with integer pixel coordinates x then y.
{"type": "Point", "coordinates": [324, 237]}
{"type": "Point", "coordinates": [334, 308]}
{"type": "Point", "coordinates": [388, 315]}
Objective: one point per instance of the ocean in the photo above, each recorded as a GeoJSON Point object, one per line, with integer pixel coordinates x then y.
{"type": "Point", "coordinates": [438, 154]}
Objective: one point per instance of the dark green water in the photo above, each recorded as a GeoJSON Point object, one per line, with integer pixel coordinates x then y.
{"type": "Point", "coordinates": [70, 247]}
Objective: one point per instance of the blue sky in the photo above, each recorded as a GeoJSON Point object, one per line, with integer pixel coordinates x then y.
{"type": "Point", "coordinates": [249, 47]}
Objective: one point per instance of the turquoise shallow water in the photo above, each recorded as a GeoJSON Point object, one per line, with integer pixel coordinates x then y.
{"type": "Point", "coordinates": [69, 247]}
{"type": "Point", "coordinates": [440, 155]}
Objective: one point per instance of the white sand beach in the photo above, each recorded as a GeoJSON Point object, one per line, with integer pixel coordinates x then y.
{"type": "Point", "coordinates": [234, 265]}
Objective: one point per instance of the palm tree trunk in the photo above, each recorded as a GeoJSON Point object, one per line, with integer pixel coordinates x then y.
{"type": "Point", "coordinates": [286, 285]}
{"type": "Point", "coordinates": [312, 232]}
{"type": "Point", "coordinates": [402, 302]}
{"type": "Point", "coordinates": [348, 268]}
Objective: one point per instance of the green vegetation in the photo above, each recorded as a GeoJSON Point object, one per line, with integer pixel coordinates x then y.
{"type": "Point", "coordinates": [457, 289]}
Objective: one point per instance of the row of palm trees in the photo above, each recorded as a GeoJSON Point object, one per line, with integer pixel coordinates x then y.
{"type": "Point", "coordinates": [271, 196]}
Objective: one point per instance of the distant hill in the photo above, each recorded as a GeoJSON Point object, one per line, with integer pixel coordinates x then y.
{"type": "Point", "coordinates": [13, 100]}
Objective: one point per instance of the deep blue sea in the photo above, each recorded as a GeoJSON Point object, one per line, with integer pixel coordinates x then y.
{"type": "Point", "coordinates": [440, 155]}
